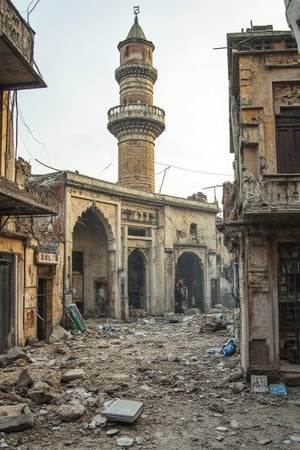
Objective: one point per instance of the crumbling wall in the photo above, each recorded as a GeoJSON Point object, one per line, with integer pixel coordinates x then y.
{"type": "Point", "coordinates": [228, 201]}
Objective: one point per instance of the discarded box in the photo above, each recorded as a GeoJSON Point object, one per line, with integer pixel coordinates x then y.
{"type": "Point", "coordinates": [123, 410]}
{"type": "Point", "coordinates": [259, 383]}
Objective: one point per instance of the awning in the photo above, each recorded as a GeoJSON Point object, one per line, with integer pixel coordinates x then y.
{"type": "Point", "coordinates": [17, 202]}
{"type": "Point", "coordinates": [15, 71]}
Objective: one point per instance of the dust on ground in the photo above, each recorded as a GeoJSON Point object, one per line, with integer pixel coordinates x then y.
{"type": "Point", "coordinates": [193, 396]}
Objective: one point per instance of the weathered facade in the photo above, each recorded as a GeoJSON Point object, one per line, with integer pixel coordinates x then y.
{"type": "Point", "coordinates": [18, 271]}
{"type": "Point", "coordinates": [124, 248]}
{"type": "Point", "coordinates": [113, 249]}
{"type": "Point", "coordinates": [124, 245]}
{"type": "Point", "coordinates": [262, 208]}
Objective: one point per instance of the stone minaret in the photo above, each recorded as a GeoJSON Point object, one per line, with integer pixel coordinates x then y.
{"type": "Point", "coordinates": [136, 123]}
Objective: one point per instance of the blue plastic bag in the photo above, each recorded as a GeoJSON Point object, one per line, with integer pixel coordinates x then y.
{"type": "Point", "coordinates": [229, 348]}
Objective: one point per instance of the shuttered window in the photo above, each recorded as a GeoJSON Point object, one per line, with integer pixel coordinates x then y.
{"type": "Point", "coordinates": [288, 140]}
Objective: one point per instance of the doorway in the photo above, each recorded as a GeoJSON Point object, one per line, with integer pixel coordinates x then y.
{"type": "Point", "coordinates": [42, 309]}
{"type": "Point", "coordinates": [190, 274]}
{"type": "Point", "coordinates": [136, 280]}
{"type": "Point", "coordinates": [289, 302]}
{"type": "Point", "coordinates": [6, 294]}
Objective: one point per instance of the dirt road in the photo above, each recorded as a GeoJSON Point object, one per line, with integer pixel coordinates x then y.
{"type": "Point", "coordinates": [193, 397]}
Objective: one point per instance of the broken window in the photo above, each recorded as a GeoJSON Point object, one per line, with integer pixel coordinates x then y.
{"type": "Point", "coordinates": [137, 231]}
{"type": "Point", "coordinates": [288, 140]}
{"type": "Point", "coordinates": [193, 229]}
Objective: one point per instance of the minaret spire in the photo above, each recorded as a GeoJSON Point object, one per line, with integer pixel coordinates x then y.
{"type": "Point", "coordinates": [136, 122]}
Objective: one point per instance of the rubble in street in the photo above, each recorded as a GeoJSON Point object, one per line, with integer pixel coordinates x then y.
{"type": "Point", "coordinates": [192, 395]}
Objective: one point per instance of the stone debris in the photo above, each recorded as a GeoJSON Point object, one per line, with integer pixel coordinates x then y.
{"type": "Point", "coordinates": [59, 334]}
{"type": "Point", "coordinates": [69, 413]}
{"type": "Point", "coordinates": [72, 374]}
{"type": "Point", "coordinates": [124, 442]}
{"type": "Point", "coordinates": [40, 393]}
{"type": "Point", "coordinates": [265, 441]}
{"type": "Point", "coordinates": [15, 418]}
{"type": "Point", "coordinates": [192, 395]}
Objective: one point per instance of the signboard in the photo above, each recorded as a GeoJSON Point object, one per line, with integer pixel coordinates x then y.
{"type": "Point", "coordinates": [46, 258]}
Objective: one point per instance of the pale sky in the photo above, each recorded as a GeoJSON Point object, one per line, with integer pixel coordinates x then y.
{"type": "Point", "coordinates": [76, 53]}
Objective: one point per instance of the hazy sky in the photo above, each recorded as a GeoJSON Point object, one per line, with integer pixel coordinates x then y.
{"type": "Point", "coordinates": [76, 52]}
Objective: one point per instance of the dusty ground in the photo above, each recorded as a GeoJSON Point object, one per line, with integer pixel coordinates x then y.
{"type": "Point", "coordinates": [178, 374]}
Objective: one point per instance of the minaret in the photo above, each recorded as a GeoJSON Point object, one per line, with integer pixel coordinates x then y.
{"type": "Point", "coordinates": [136, 123]}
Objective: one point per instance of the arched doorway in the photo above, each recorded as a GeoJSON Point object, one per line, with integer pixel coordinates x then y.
{"type": "Point", "coordinates": [90, 264]}
{"type": "Point", "coordinates": [136, 280]}
{"type": "Point", "coordinates": [190, 275]}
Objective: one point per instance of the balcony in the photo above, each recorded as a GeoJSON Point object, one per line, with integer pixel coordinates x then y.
{"type": "Point", "coordinates": [16, 51]}
{"type": "Point", "coordinates": [136, 111]}
{"type": "Point", "coordinates": [136, 117]}
{"type": "Point", "coordinates": [275, 199]}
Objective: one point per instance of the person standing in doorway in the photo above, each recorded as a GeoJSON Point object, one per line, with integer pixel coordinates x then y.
{"type": "Point", "coordinates": [178, 298]}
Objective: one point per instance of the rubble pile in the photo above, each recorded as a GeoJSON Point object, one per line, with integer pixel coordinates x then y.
{"type": "Point", "coordinates": [191, 395]}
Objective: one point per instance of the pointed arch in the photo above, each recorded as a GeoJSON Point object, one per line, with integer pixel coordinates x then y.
{"type": "Point", "coordinates": [189, 273]}
{"type": "Point", "coordinates": [92, 240]}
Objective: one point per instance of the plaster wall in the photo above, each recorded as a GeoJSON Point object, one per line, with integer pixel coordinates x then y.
{"type": "Point", "coordinates": [265, 86]}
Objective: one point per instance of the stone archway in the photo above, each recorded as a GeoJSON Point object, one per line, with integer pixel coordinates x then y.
{"type": "Point", "coordinates": [90, 264]}
{"type": "Point", "coordinates": [136, 281]}
{"type": "Point", "coordinates": [189, 273]}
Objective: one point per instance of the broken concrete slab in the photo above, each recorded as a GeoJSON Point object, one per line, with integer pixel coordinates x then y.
{"type": "Point", "coordinates": [73, 374]}
{"type": "Point", "coordinates": [15, 418]}
{"type": "Point", "coordinates": [123, 410]}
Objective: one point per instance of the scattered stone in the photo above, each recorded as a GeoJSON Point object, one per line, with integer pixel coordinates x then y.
{"type": "Point", "coordinates": [15, 418]}
{"type": "Point", "coordinates": [70, 413]}
{"type": "Point", "coordinates": [15, 353]}
{"type": "Point", "coordinates": [172, 357]}
{"type": "Point", "coordinates": [59, 334]}
{"type": "Point", "coordinates": [25, 379]}
{"type": "Point", "coordinates": [112, 432]}
{"type": "Point", "coordinates": [40, 393]}
{"type": "Point", "coordinates": [97, 421]}
{"type": "Point", "coordinates": [238, 387]}
{"type": "Point", "coordinates": [125, 442]}
{"type": "Point", "coordinates": [216, 407]}
{"type": "Point", "coordinates": [234, 425]}
{"type": "Point", "coordinates": [237, 375]}
{"type": "Point", "coordinates": [190, 388]}
{"type": "Point", "coordinates": [295, 438]}
{"type": "Point", "coordinates": [220, 438]}
{"type": "Point", "coordinates": [265, 441]}
{"type": "Point", "coordinates": [223, 429]}
{"type": "Point", "coordinates": [73, 374]}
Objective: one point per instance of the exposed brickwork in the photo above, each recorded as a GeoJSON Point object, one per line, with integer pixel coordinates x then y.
{"type": "Point", "coordinates": [136, 162]}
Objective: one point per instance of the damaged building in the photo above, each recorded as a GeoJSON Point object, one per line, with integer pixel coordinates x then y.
{"type": "Point", "coordinates": [18, 273]}
{"type": "Point", "coordinates": [113, 249]}
{"type": "Point", "coordinates": [262, 208]}
{"type": "Point", "coordinates": [125, 246]}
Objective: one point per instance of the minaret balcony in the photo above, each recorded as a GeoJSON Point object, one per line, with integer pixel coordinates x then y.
{"type": "Point", "coordinates": [136, 116]}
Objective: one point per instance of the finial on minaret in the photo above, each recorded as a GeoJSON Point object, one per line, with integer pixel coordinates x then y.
{"type": "Point", "coordinates": [136, 10]}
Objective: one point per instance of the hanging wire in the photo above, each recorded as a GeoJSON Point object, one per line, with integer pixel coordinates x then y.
{"type": "Point", "coordinates": [29, 11]}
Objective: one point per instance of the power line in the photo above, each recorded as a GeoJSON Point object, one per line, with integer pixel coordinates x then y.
{"type": "Point", "coordinates": [29, 11]}
{"type": "Point", "coordinates": [193, 170]}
